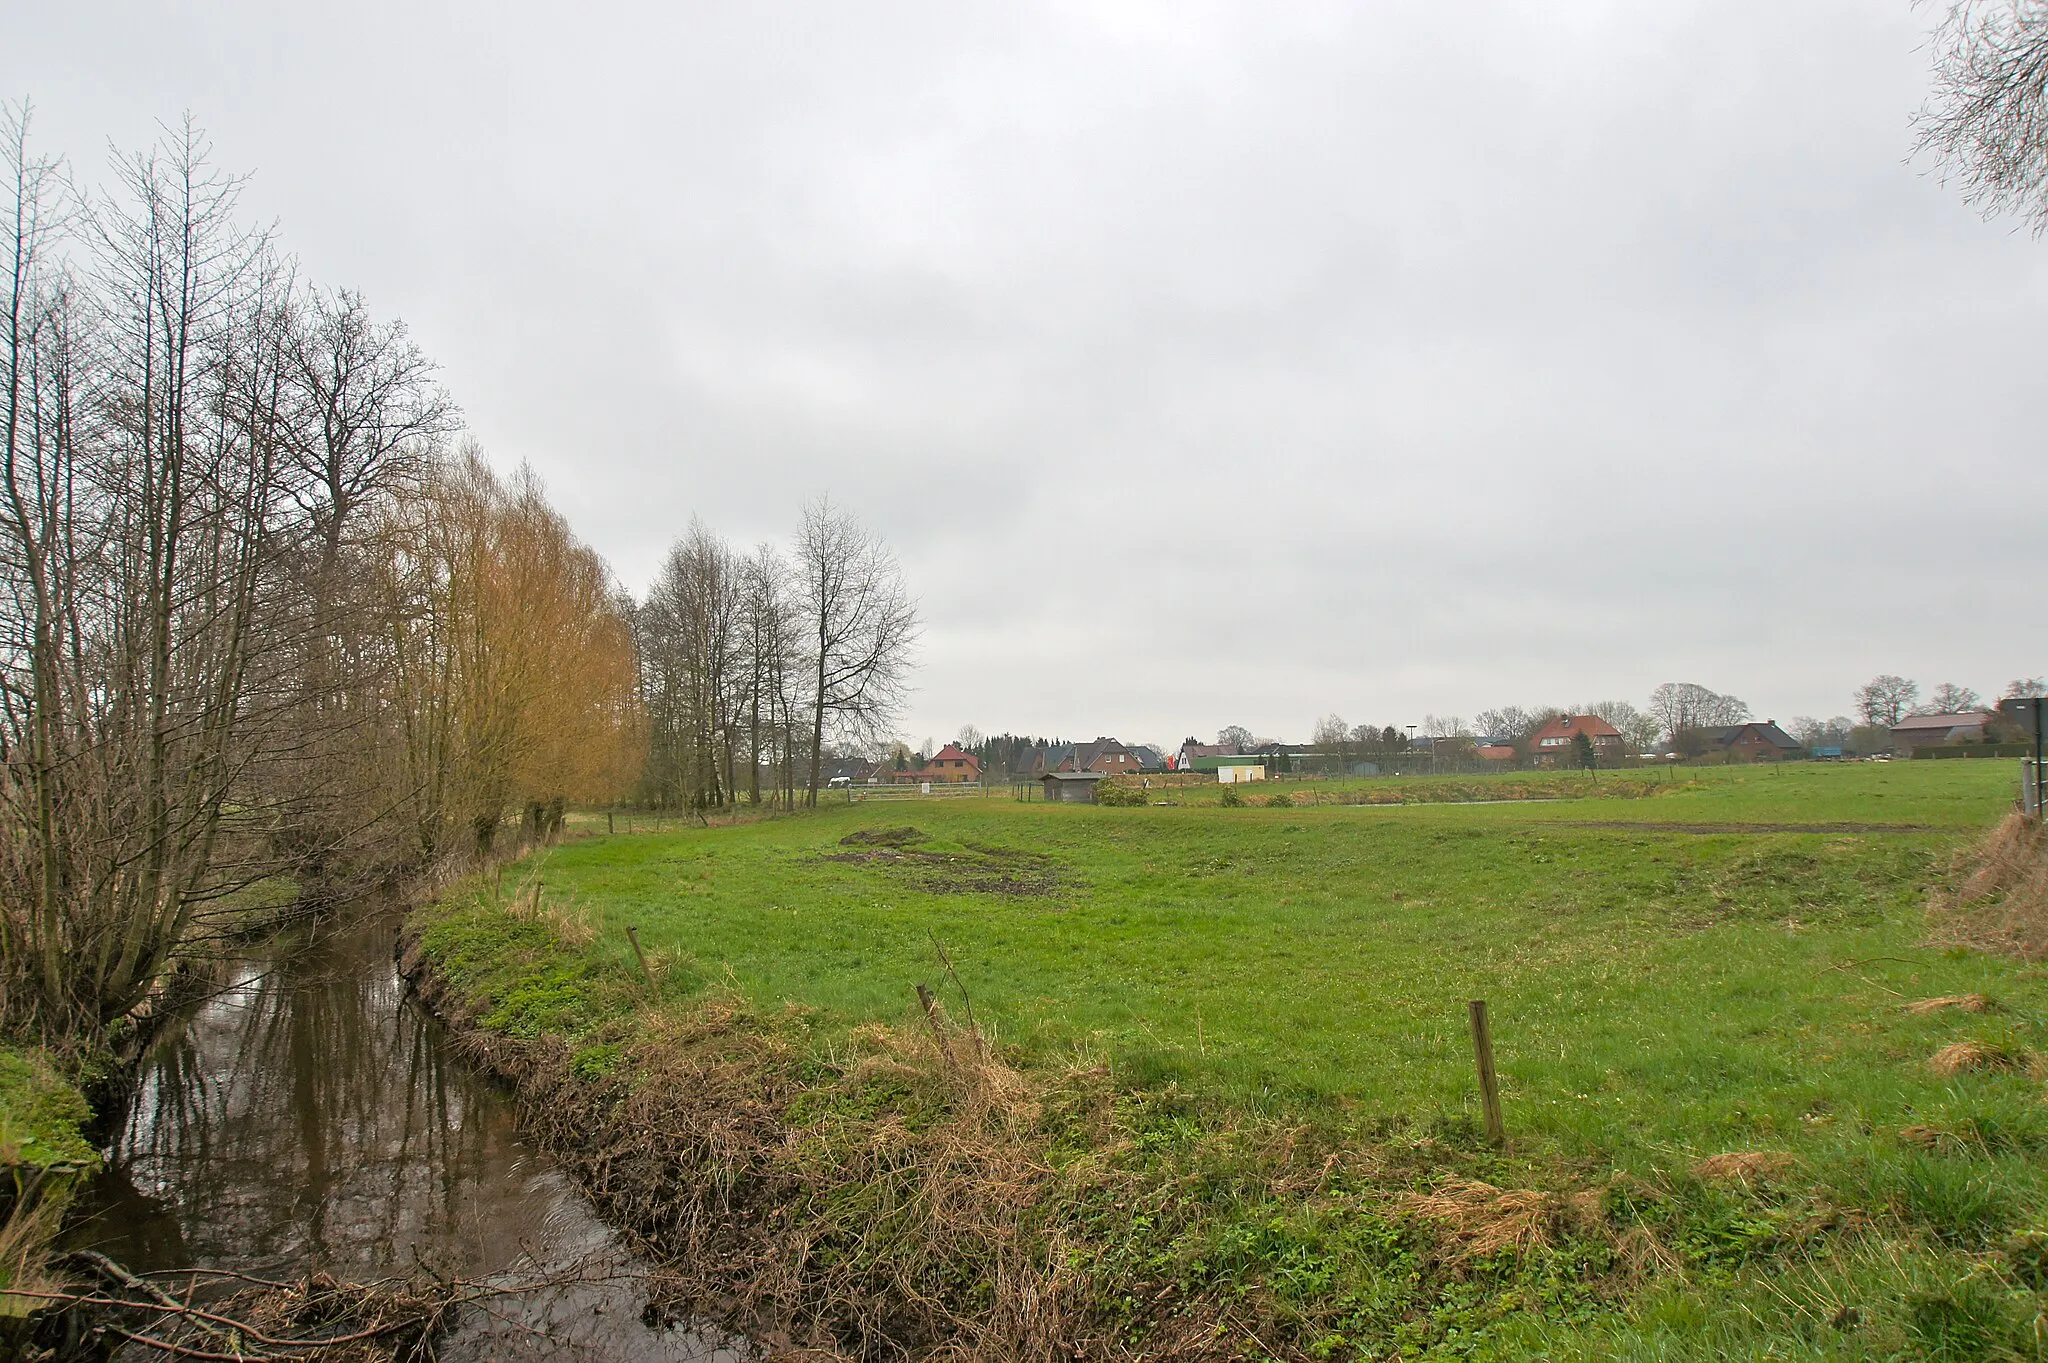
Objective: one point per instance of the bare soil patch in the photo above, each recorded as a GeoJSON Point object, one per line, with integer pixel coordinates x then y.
{"type": "Point", "coordinates": [979, 868]}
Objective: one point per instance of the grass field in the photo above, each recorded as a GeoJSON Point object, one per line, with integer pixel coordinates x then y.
{"type": "Point", "coordinates": [1675, 971]}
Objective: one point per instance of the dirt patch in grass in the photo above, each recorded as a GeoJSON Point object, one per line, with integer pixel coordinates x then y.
{"type": "Point", "coordinates": [1705, 828]}
{"type": "Point", "coordinates": [978, 868]}
{"type": "Point", "coordinates": [1999, 901]}
{"type": "Point", "coordinates": [883, 837]}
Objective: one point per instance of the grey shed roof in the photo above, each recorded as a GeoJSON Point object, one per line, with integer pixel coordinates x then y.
{"type": "Point", "coordinates": [1076, 776]}
{"type": "Point", "coordinates": [1965, 719]}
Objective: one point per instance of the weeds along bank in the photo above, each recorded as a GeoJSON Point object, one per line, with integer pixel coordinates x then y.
{"type": "Point", "coordinates": [1196, 1082]}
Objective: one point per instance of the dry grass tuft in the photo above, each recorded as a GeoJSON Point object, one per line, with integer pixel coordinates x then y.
{"type": "Point", "coordinates": [1964, 1057]}
{"type": "Point", "coordinates": [2003, 903]}
{"type": "Point", "coordinates": [1745, 1166]}
{"type": "Point", "coordinates": [1478, 1219]}
{"type": "Point", "coordinates": [25, 1240]}
{"type": "Point", "coordinates": [1962, 1003]}
{"type": "Point", "coordinates": [1643, 1256]}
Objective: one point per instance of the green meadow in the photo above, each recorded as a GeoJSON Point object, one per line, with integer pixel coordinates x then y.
{"type": "Point", "coordinates": [1717, 961]}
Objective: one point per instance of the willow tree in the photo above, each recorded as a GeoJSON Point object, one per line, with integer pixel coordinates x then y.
{"type": "Point", "coordinates": [512, 668]}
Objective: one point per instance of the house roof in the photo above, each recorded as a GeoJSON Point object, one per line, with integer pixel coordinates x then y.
{"type": "Point", "coordinates": [954, 753]}
{"type": "Point", "coordinates": [1149, 757]}
{"type": "Point", "coordinates": [1767, 730]}
{"type": "Point", "coordinates": [1571, 726]}
{"type": "Point", "coordinates": [1088, 754]}
{"type": "Point", "coordinates": [1965, 719]}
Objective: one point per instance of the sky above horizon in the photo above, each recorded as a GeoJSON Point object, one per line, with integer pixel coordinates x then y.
{"type": "Point", "coordinates": [1204, 364]}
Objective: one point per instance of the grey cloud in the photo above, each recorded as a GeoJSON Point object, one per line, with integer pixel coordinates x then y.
{"type": "Point", "coordinates": [1380, 358]}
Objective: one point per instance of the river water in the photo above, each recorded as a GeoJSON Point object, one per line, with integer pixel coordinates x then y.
{"type": "Point", "coordinates": [312, 1116]}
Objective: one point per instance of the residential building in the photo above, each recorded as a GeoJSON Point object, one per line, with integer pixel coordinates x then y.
{"type": "Point", "coordinates": [1553, 744]}
{"type": "Point", "coordinates": [1191, 752]}
{"type": "Point", "coordinates": [1104, 755]}
{"type": "Point", "coordinates": [1756, 742]}
{"type": "Point", "coordinates": [954, 766]}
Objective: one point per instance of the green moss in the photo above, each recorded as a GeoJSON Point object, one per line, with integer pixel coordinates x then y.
{"type": "Point", "coordinates": [41, 1116]}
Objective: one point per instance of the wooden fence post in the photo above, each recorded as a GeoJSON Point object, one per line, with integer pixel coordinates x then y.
{"type": "Point", "coordinates": [1489, 1083]}
{"type": "Point", "coordinates": [633, 936]}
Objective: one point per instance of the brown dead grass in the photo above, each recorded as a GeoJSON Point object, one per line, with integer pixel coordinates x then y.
{"type": "Point", "coordinates": [1745, 1166]}
{"type": "Point", "coordinates": [25, 1239]}
{"type": "Point", "coordinates": [2001, 903]}
{"type": "Point", "coordinates": [1961, 1003]}
{"type": "Point", "coordinates": [1965, 1057]}
{"type": "Point", "coordinates": [895, 1208]}
{"type": "Point", "coordinates": [898, 1199]}
{"type": "Point", "coordinates": [1476, 1219]}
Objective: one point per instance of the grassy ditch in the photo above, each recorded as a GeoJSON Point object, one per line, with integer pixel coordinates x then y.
{"type": "Point", "coordinates": [1197, 1082]}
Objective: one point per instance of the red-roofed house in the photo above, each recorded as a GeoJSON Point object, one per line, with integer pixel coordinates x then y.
{"type": "Point", "coordinates": [1552, 744]}
{"type": "Point", "coordinates": [953, 764]}
{"type": "Point", "coordinates": [950, 766]}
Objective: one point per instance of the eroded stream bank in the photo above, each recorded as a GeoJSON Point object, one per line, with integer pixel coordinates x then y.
{"type": "Point", "coordinates": [313, 1117]}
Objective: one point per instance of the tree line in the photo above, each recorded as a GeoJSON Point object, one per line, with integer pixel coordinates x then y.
{"type": "Point", "coordinates": [271, 616]}
{"type": "Point", "coordinates": [268, 613]}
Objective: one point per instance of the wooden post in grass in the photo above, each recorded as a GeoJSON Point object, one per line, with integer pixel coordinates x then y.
{"type": "Point", "coordinates": [633, 936]}
{"type": "Point", "coordinates": [1489, 1083]}
{"type": "Point", "coordinates": [931, 1020]}
{"type": "Point", "coordinates": [609, 826]}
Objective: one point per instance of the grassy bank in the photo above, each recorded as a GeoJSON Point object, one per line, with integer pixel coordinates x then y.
{"type": "Point", "coordinates": [1227, 1108]}
{"type": "Point", "coordinates": [43, 1151]}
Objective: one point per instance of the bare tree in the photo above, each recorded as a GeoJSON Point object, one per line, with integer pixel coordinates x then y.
{"type": "Point", "coordinates": [772, 642]}
{"type": "Point", "coordinates": [694, 637]}
{"type": "Point", "coordinates": [1986, 121]}
{"type": "Point", "coordinates": [1886, 699]}
{"type": "Point", "coordinates": [1235, 737]}
{"type": "Point", "coordinates": [861, 625]}
{"type": "Point", "coordinates": [1680, 708]}
{"type": "Point", "coordinates": [145, 519]}
{"type": "Point", "coordinates": [1950, 699]}
{"type": "Point", "coordinates": [2022, 687]}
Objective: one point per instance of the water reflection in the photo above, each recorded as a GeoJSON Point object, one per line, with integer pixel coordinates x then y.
{"type": "Point", "coordinates": [309, 1116]}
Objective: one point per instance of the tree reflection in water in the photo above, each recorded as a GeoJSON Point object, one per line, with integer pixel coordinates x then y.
{"type": "Point", "coordinates": [310, 1116]}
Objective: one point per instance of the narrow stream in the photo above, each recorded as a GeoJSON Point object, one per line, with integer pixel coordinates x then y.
{"type": "Point", "coordinates": [312, 1116]}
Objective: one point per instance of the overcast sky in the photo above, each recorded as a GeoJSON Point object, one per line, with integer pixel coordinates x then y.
{"type": "Point", "coordinates": [1205, 364]}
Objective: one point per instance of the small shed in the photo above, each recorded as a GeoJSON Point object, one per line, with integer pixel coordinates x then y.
{"type": "Point", "coordinates": [1072, 787]}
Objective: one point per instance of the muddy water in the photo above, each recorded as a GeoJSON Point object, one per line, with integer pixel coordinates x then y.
{"type": "Point", "coordinates": [312, 1116]}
